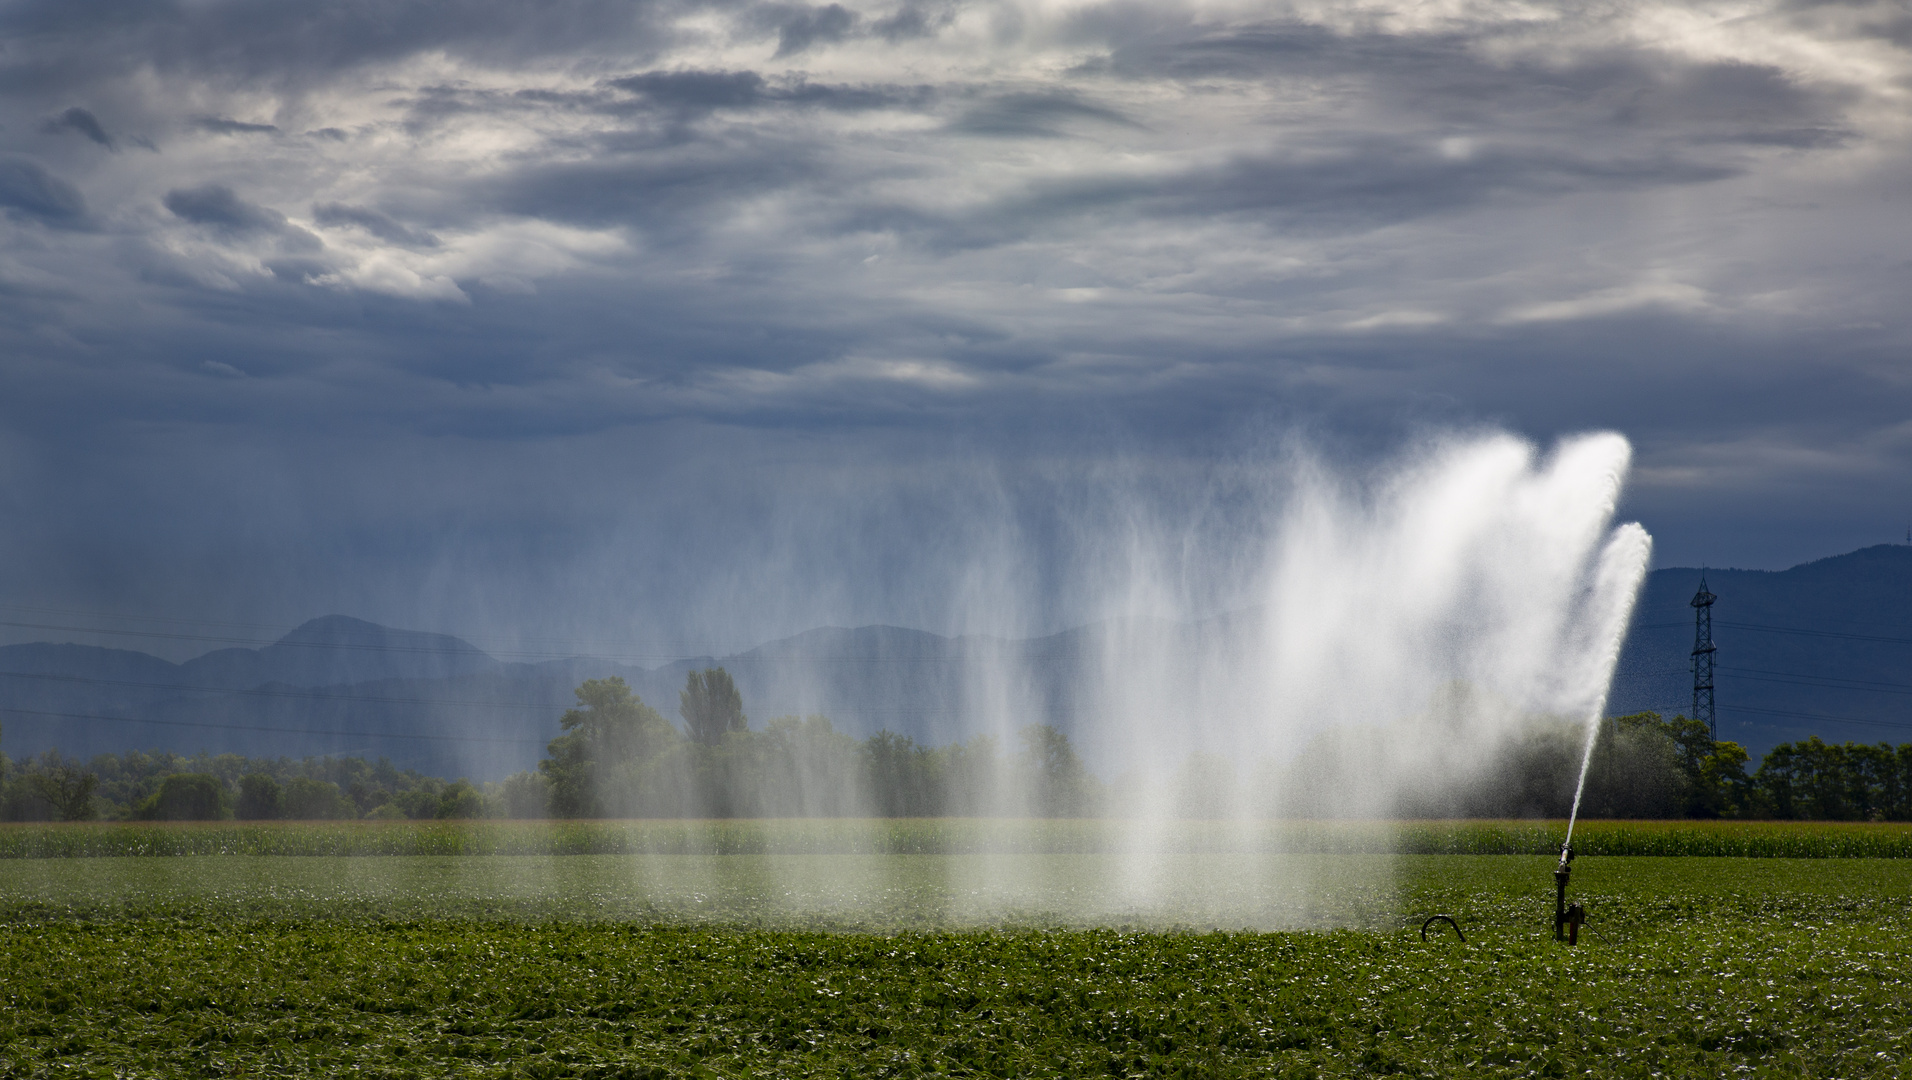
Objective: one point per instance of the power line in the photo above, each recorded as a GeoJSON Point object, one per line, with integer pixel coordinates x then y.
{"type": "Point", "coordinates": [276, 730]}
{"type": "Point", "coordinates": [1828, 682]}
{"type": "Point", "coordinates": [1815, 633]}
{"type": "Point", "coordinates": [1821, 717]}
{"type": "Point", "coordinates": [263, 692]}
{"type": "Point", "coordinates": [686, 648]}
{"type": "Point", "coordinates": [221, 640]}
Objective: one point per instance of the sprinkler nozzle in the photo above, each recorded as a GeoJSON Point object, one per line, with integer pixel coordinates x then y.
{"type": "Point", "coordinates": [1561, 914]}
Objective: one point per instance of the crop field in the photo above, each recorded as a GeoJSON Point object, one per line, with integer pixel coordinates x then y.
{"type": "Point", "coordinates": [977, 964]}
{"type": "Point", "coordinates": [953, 836]}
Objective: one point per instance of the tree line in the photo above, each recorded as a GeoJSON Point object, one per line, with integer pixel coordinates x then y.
{"type": "Point", "coordinates": [619, 757]}
{"type": "Point", "coordinates": [162, 786]}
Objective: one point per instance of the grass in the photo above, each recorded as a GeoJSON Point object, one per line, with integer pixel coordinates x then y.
{"type": "Point", "coordinates": [200, 966]}
{"type": "Point", "coordinates": [948, 836]}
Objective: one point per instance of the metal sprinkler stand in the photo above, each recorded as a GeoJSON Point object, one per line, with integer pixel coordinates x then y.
{"type": "Point", "coordinates": [1567, 919]}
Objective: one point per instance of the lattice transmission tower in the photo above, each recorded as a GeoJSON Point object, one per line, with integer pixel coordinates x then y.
{"type": "Point", "coordinates": [1703, 659]}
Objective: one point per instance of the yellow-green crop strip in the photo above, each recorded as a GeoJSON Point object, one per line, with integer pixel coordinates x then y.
{"type": "Point", "coordinates": [1692, 967]}
{"type": "Point", "coordinates": [952, 836]}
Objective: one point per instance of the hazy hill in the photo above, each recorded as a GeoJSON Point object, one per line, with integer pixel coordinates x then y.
{"type": "Point", "coordinates": [340, 651]}
{"type": "Point", "coordinates": [1821, 648]}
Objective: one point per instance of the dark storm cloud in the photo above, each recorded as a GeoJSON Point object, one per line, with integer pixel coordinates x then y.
{"type": "Point", "coordinates": [580, 257]}
{"type": "Point", "coordinates": [800, 26]}
{"type": "Point", "coordinates": [217, 204]}
{"type": "Point", "coordinates": [58, 43]}
{"type": "Point", "coordinates": [697, 92]}
{"type": "Point", "coordinates": [220, 125]}
{"type": "Point", "coordinates": [26, 188]}
{"type": "Point", "coordinates": [1041, 115]}
{"type": "Point", "coordinates": [1444, 79]}
{"type": "Point", "coordinates": [80, 121]}
{"type": "Point", "coordinates": [676, 197]}
{"type": "Point", "coordinates": [333, 215]}
{"type": "Point", "coordinates": [220, 209]}
{"type": "Point", "coordinates": [914, 19]}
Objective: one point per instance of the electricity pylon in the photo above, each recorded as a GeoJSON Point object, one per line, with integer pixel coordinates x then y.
{"type": "Point", "coordinates": [1703, 659]}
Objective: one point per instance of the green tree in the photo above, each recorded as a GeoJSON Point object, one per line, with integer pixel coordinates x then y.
{"type": "Point", "coordinates": [64, 786]}
{"type": "Point", "coordinates": [1635, 771]}
{"type": "Point", "coordinates": [610, 733]}
{"type": "Point", "coordinates": [184, 797]}
{"type": "Point", "coordinates": [811, 769]}
{"type": "Point", "coordinates": [1058, 785]}
{"type": "Point", "coordinates": [461, 800]}
{"type": "Point", "coordinates": [899, 777]}
{"type": "Point", "coordinates": [711, 706]}
{"type": "Point", "coordinates": [310, 799]}
{"type": "Point", "coordinates": [260, 797]}
{"type": "Point", "coordinates": [524, 795]}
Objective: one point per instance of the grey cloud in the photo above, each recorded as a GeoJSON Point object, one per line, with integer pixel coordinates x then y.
{"type": "Point", "coordinates": [1033, 114]}
{"type": "Point", "coordinates": [799, 27]}
{"type": "Point", "coordinates": [914, 20]}
{"type": "Point", "coordinates": [220, 125]}
{"type": "Point", "coordinates": [671, 196]}
{"type": "Point", "coordinates": [27, 188]}
{"type": "Point", "coordinates": [1378, 181]}
{"type": "Point", "coordinates": [1337, 189]}
{"type": "Point", "coordinates": [67, 44]}
{"type": "Point", "coordinates": [334, 215]}
{"type": "Point", "coordinates": [1446, 79]}
{"type": "Point", "coordinates": [696, 92]}
{"type": "Point", "coordinates": [299, 270]}
{"type": "Point", "coordinates": [80, 121]}
{"type": "Point", "coordinates": [219, 207]}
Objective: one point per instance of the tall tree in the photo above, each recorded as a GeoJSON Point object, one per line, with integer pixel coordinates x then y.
{"type": "Point", "coordinates": [711, 706]}
{"type": "Point", "coordinates": [1058, 785]}
{"type": "Point", "coordinates": [64, 786]}
{"type": "Point", "coordinates": [612, 730]}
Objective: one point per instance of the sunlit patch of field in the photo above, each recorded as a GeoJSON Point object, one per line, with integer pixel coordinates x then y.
{"type": "Point", "coordinates": [950, 948]}
{"type": "Point", "coordinates": [692, 965]}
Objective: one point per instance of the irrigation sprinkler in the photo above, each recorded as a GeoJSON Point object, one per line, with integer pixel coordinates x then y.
{"type": "Point", "coordinates": [1567, 919]}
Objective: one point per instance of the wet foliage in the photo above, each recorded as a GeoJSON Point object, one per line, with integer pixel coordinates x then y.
{"type": "Point", "coordinates": [1691, 968]}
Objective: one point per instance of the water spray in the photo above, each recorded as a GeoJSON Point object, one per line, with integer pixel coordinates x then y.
{"type": "Point", "coordinates": [1622, 568]}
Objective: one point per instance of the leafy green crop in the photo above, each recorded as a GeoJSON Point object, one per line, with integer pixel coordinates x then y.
{"type": "Point", "coordinates": [735, 965]}
{"type": "Point", "coordinates": [530, 968]}
{"type": "Point", "coordinates": [1719, 968]}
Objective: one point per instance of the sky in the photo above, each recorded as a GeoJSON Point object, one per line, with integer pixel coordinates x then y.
{"type": "Point", "coordinates": [667, 325]}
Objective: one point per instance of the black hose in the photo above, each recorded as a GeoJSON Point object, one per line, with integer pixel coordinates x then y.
{"type": "Point", "coordinates": [1448, 919]}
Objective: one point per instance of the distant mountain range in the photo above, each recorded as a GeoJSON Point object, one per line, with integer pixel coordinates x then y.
{"type": "Point", "coordinates": [1823, 648]}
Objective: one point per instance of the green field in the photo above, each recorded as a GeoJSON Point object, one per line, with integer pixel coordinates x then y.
{"type": "Point", "coordinates": [985, 963]}
{"type": "Point", "coordinates": [954, 836]}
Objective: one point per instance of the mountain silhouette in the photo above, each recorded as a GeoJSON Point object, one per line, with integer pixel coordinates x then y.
{"type": "Point", "coordinates": [1822, 648]}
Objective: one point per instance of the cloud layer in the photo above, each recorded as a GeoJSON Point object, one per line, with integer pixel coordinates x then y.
{"type": "Point", "coordinates": [429, 289]}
